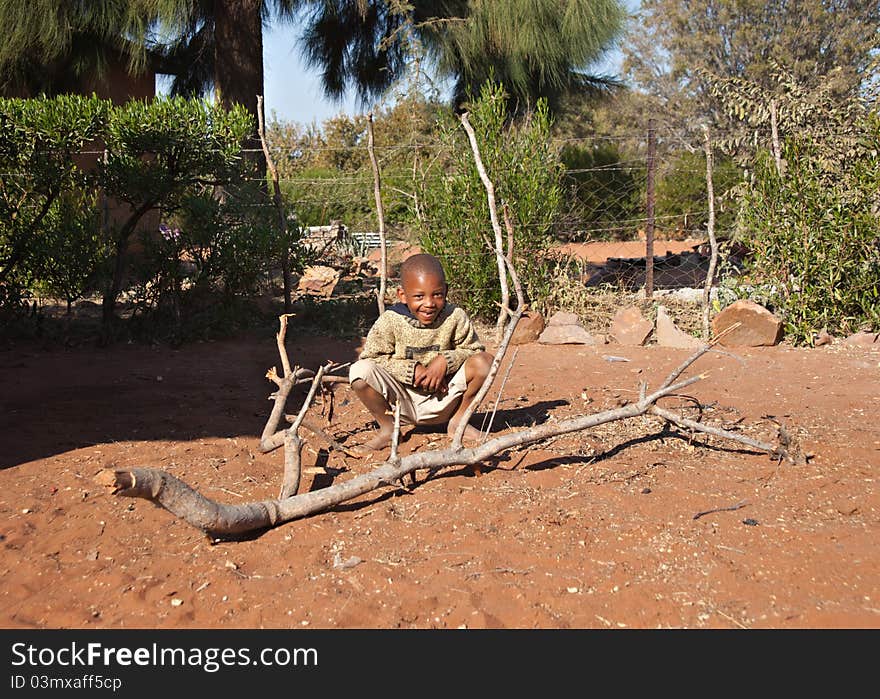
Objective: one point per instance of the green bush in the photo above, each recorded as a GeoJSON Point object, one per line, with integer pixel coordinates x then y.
{"type": "Point", "coordinates": [682, 194]}
{"type": "Point", "coordinates": [40, 159]}
{"type": "Point", "coordinates": [815, 239]}
{"type": "Point", "coordinates": [72, 248]}
{"type": "Point", "coordinates": [161, 153]}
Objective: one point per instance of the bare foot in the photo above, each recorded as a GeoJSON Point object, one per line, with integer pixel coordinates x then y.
{"type": "Point", "coordinates": [381, 440]}
{"type": "Point", "coordinates": [471, 434]}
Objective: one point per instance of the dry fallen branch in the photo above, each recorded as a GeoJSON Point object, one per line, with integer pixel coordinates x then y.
{"type": "Point", "coordinates": [220, 520]}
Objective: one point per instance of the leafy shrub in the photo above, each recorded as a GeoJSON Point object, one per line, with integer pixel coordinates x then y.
{"type": "Point", "coordinates": [815, 240]}
{"type": "Point", "coordinates": [809, 212]}
{"type": "Point", "coordinates": [455, 221]}
{"type": "Point", "coordinates": [682, 194]}
{"type": "Point", "coordinates": [72, 250]}
{"type": "Point", "coordinates": [40, 159]}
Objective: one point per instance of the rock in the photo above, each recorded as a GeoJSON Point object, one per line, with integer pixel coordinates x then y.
{"type": "Point", "coordinates": [863, 340]}
{"type": "Point", "coordinates": [568, 335]}
{"type": "Point", "coordinates": [564, 318]}
{"type": "Point", "coordinates": [669, 335]}
{"type": "Point", "coordinates": [630, 327]}
{"type": "Point", "coordinates": [318, 281]}
{"type": "Point", "coordinates": [528, 329]}
{"type": "Point", "coordinates": [823, 338]}
{"type": "Point", "coordinates": [758, 326]}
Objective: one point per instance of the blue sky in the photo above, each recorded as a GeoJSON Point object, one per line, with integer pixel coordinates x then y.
{"type": "Point", "coordinates": [293, 91]}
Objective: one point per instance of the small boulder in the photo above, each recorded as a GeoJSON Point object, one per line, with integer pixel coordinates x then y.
{"type": "Point", "coordinates": [528, 329]}
{"type": "Point", "coordinates": [863, 339]}
{"type": "Point", "coordinates": [568, 335]}
{"type": "Point", "coordinates": [758, 327]}
{"type": "Point", "coordinates": [318, 281]}
{"type": "Point", "coordinates": [669, 335]}
{"type": "Point", "coordinates": [823, 338]}
{"type": "Point", "coordinates": [564, 318]}
{"type": "Point", "coordinates": [630, 327]}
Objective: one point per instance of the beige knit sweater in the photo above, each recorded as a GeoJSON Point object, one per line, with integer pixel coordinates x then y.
{"type": "Point", "coordinates": [398, 341]}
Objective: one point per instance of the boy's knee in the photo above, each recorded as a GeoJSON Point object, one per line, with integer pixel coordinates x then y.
{"type": "Point", "coordinates": [361, 370]}
{"type": "Point", "coordinates": [478, 366]}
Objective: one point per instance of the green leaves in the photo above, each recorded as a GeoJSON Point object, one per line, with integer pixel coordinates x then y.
{"type": "Point", "coordinates": [157, 149]}
{"type": "Point", "coordinates": [815, 240]}
{"type": "Point", "coordinates": [78, 176]}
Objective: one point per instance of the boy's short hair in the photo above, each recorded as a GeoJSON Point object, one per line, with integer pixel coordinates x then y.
{"type": "Point", "coordinates": [421, 264]}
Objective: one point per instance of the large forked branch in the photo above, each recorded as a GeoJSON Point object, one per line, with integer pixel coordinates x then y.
{"type": "Point", "coordinates": [218, 519]}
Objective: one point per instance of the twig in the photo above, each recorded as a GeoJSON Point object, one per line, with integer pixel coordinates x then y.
{"type": "Point", "coordinates": [500, 391]}
{"type": "Point", "coordinates": [395, 436]}
{"type": "Point", "coordinates": [696, 355]}
{"type": "Point", "coordinates": [279, 340]}
{"type": "Point", "coordinates": [738, 506]}
{"type": "Point", "coordinates": [308, 401]}
{"type": "Point", "coordinates": [279, 205]}
{"type": "Point", "coordinates": [713, 243]}
{"type": "Point", "coordinates": [682, 421]}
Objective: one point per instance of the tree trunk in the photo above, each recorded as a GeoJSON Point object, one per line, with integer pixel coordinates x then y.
{"type": "Point", "coordinates": [238, 62]}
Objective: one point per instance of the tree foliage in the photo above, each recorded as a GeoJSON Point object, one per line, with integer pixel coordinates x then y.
{"type": "Point", "coordinates": [40, 141]}
{"type": "Point", "coordinates": [672, 44]}
{"type": "Point", "coordinates": [809, 210]}
{"type": "Point", "coordinates": [48, 46]}
{"type": "Point", "coordinates": [535, 48]}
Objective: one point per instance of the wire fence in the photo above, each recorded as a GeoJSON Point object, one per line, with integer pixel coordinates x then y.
{"type": "Point", "coordinates": [634, 222]}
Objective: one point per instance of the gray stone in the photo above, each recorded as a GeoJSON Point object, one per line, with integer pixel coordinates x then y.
{"type": "Point", "coordinates": [568, 335]}
{"type": "Point", "coordinates": [758, 326]}
{"type": "Point", "coordinates": [669, 335]}
{"type": "Point", "coordinates": [630, 327]}
{"type": "Point", "coordinates": [564, 318]}
{"type": "Point", "coordinates": [863, 340]}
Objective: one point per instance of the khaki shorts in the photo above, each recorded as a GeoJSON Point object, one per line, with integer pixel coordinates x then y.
{"type": "Point", "coordinates": [416, 407]}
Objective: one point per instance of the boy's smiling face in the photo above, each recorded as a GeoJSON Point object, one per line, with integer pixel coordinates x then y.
{"type": "Point", "coordinates": [424, 294]}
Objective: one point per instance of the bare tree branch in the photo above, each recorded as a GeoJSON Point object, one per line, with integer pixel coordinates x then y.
{"type": "Point", "coordinates": [219, 519]}
{"type": "Point", "coordinates": [496, 225]}
{"type": "Point", "coordinates": [713, 243]}
{"type": "Point", "coordinates": [380, 213]}
{"type": "Point", "coordinates": [279, 205]}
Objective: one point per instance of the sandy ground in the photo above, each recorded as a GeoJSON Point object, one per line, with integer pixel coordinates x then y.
{"type": "Point", "coordinates": [598, 529]}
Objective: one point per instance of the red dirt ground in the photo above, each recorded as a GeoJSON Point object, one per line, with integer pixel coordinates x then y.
{"type": "Point", "coordinates": [590, 530]}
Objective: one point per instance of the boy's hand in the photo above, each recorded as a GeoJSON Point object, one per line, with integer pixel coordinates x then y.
{"type": "Point", "coordinates": [431, 378]}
